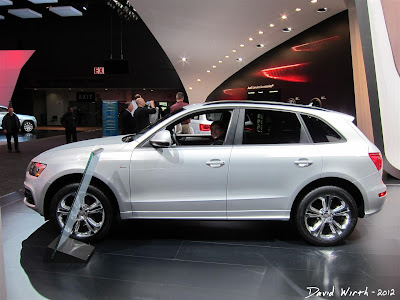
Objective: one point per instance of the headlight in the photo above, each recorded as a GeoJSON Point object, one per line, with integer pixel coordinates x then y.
{"type": "Point", "coordinates": [35, 168]}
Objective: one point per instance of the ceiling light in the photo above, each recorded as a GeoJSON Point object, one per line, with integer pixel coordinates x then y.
{"type": "Point", "coordinates": [287, 29]}
{"type": "Point", "coordinates": [239, 59]}
{"type": "Point", "coordinates": [271, 25]}
{"type": "Point", "coordinates": [284, 17]}
{"type": "Point", "coordinates": [208, 71]}
{"type": "Point", "coordinates": [2, 17]}
{"type": "Point", "coordinates": [298, 9]}
{"type": "Point", "coordinates": [43, 1]}
{"type": "Point", "coordinates": [260, 46]}
{"type": "Point", "coordinates": [66, 11]}
{"type": "Point", "coordinates": [84, 7]}
{"type": "Point", "coordinates": [198, 79]}
{"type": "Point", "coordinates": [314, 1]}
{"type": "Point", "coordinates": [260, 32]}
{"type": "Point", "coordinates": [226, 56]}
{"type": "Point", "coordinates": [241, 45]}
{"type": "Point", "coordinates": [25, 13]}
{"type": "Point", "coordinates": [234, 51]}
{"type": "Point", "coordinates": [5, 2]}
{"type": "Point", "coordinates": [322, 10]}
{"type": "Point", "coordinates": [183, 59]}
{"type": "Point", "coordinates": [220, 61]}
{"type": "Point", "coordinates": [250, 39]}
{"type": "Point", "coordinates": [214, 67]}
{"type": "Point", "coordinates": [190, 88]}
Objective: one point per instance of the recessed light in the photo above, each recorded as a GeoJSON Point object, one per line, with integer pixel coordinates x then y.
{"type": "Point", "coordinates": [183, 59]}
{"type": "Point", "coordinates": [250, 39]}
{"type": "Point", "coordinates": [314, 1]}
{"type": "Point", "coordinates": [239, 59]}
{"type": "Point", "coordinates": [271, 25]}
{"type": "Point", "coordinates": [287, 29]}
{"type": "Point", "coordinates": [298, 9]}
{"type": "Point", "coordinates": [241, 45]}
{"type": "Point", "coordinates": [214, 67]}
{"type": "Point", "coordinates": [284, 17]}
{"type": "Point", "coordinates": [208, 71]}
{"type": "Point", "coordinates": [234, 51]}
{"type": "Point", "coordinates": [220, 61]}
{"type": "Point", "coordinates": [198, 80]}
{"type": "Point", "coordinates": [260, 32]}
{"type": "Point", "coordinates": [260, 46]}
{"type": "Point", "coordinates": [322, 10]}
{"type": "Point", "coordinates": [226, 56]}
{"type": "Point", "coordinates": [190, 88]}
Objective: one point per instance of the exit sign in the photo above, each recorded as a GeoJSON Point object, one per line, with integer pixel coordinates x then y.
{"type": "Point", "coordinates": [98, 70]}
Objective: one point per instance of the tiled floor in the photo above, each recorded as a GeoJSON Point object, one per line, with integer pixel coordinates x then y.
{"type": "Point", "coordinates": [203, 260]}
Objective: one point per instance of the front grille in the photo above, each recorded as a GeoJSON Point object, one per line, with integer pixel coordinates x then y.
{"type": "Point", "coordinates": [29, 197]}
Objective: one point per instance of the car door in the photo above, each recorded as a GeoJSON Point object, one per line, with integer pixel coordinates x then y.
{"type": "Point", "coordinates": [272, 159]}
{"type": "Point", "coordinates": [180, 181]}
{"type": "Point", "coordinates": [3, 112]}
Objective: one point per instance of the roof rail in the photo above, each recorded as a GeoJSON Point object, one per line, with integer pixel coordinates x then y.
{"type": "Point", "coordinates": [263, 102]}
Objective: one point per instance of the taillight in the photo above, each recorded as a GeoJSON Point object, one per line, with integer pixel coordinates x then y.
{"type": "Point", "coordinates": [377, 159]}
{"type": "Point", "coordinates": [205, 127]}
{"type": "Point", "coordinates": [382, 194]}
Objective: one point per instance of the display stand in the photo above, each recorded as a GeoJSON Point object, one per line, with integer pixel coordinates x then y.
{"type": "Point", "coordinates": [64, 243]}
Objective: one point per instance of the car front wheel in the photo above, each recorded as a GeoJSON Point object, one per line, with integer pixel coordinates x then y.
{"type": "Point", "coordinates": [28, 126]}
{"type": "Point", "coordinates": [94, 217]}
{"type": "Point", "coordinates": [326, 216]}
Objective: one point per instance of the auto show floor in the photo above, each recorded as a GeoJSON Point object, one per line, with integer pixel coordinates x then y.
{"type": "Point", "coordinates": [203, 259]}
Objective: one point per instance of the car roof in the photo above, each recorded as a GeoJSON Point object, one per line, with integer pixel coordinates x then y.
{"type": "Point", "coordinates": [323, 112]}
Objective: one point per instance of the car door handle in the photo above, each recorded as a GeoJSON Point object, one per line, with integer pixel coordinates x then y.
{"type": "Point", "coordinates": [215, 163]}
{"type": "Point", "coordinates": [303, 162]}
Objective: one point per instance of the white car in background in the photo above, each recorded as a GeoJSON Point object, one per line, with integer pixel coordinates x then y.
{"type": "Point", "coordinates": [28, 123]}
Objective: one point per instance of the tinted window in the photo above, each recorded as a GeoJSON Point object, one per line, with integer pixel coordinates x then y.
{"type": "Point", "coordinates": [271, 127]}
{"type": "Point", "coordinates": [320, 131]}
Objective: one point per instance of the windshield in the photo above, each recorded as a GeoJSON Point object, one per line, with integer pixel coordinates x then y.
{"type": "Point", "coordinates": [132, 137]}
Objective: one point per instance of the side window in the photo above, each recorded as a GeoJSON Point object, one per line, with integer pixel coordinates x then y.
{"type": "Point", "coordinates": [320, 131]}
{"type": "Point", "coordinates": [200, 128]}
{"type": "Point", "coordinates": [271, 127]}
{"type": "Point", "coordinates": [3, 109]}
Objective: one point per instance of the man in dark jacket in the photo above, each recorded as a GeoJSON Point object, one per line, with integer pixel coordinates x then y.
{"type": "Point", "coordinates": [128, 124]}
{"type": "Point", "coordinates": [11, 127]}
{"type": "Point", "coordinates": [142, 114]}
{"type": "Point", "coordinates": [69, 122]}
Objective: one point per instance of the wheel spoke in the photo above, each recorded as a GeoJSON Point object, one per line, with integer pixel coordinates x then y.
{"type": "Point", "coordinates": [314, 210]}
{"type": "Point", "coordinates": [76, 227]}
{"type": "Point", "coordinates": [94, 224]}
{"type": "Point", "coordinates": [311, 215]}
{"type": "Point", "coordinates": [340, 208]}
{"type": "Point", "coordinates": [321, 228]}
{"type": "Point", "coordinates": [89, 227]}
{"type": "Point", "coordinates": [323, 201]}
{"type": "Point", "coordinates": [338, 226]}
{"type": "Point", "coordinates": [96, 207]}
{"type": "Point", "coordinates": [332, 228]}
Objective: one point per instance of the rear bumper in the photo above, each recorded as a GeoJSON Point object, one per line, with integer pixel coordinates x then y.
{"type": "Point", "coordinates": [373, 186]}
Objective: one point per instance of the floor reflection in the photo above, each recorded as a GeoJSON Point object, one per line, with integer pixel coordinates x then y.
{"type": "Point", "coordinates": [37, 134]}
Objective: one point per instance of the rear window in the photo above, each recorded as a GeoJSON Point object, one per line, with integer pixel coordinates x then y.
{"type": "Point", "coordinates": [320, 131]}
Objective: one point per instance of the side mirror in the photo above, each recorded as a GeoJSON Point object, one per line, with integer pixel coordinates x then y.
{"type": "Point", "coordinates": [162, 139]}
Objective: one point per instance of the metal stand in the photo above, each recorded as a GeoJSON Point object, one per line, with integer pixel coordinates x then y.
{"type": "Point", "coordinates": [74, 248]}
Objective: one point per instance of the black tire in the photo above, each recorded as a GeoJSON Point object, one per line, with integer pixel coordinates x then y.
{"type": "Point", "coordinates": [91, 224]}
{"type": "Point", "coordinates": [327, 226]}
{"type": "Point", "coordinates": [28, 126]}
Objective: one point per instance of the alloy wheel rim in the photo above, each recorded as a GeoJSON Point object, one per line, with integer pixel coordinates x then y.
{"type": "Point", "coordinates": [28, 127]}
{"type": "Point", "coordinates": [327, 217]}
{"type": "Point", "coordinates": [90, 217]}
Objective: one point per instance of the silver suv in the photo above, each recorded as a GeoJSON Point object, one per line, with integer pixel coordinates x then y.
{"type": "Point", "coordinates": [275, 162]}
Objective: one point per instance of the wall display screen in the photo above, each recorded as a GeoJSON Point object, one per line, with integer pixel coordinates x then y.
{"type": "Point", "coordinates": [316, 63]}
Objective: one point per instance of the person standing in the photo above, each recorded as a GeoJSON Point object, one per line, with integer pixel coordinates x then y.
{"type": "Point", "coordinates": [178, 105]}
{"type": "Point", "coordinates": [69, 121]}
{"type": "Point", "coordinates": [142, 114]}
{"type": "Point", "coordinates": [11, 127]}
{"type": "Point", "coordinates": [128, 124]}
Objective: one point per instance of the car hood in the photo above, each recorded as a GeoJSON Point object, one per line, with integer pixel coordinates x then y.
{"type": "Point", "coordinates": [109, 144]}
{"type": "Point", "coordinates": [21, 116]}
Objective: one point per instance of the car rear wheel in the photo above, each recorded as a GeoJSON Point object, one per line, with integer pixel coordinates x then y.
{"type": "Point", "coordinates": [28, 126]}
{"type": "Point", "coordinates": [94, 217]}
{"type": "Point", "coordinates": [326, 216]}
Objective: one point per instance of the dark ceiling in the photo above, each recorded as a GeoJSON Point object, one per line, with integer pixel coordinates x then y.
{"type": "Point", "coordinates": [68, 49]}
